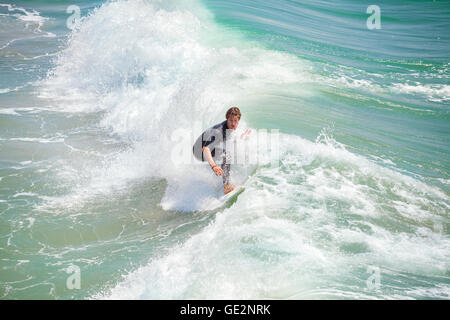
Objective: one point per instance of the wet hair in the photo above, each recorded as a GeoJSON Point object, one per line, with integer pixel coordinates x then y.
{"type": "Point", "coordinates": [233, 111]}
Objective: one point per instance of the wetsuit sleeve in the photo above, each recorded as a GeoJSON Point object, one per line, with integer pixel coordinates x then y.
{"type": "Point", "coordinates": [207, 139]}
{"type": "Point", "coordinates": [211, 138]}
{"type": "Point", "coordinates": [213, 135]}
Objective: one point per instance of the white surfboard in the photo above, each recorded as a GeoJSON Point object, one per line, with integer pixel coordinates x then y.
{"type": "Point", "coordinates": [231, 194]}
{"type": "Point", "coordinates": [225, 199]}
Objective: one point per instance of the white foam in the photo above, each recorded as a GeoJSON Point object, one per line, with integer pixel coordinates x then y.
{"type": "Point", "coordinates": [29, 20]}
{"type": "Point", "coordinates": [28, 194]}
{"type": "Point", "coordinates": [433, 92]}
{"type": "Point", "coordinates": [25, 15]}
{"type": "Point", "coordinates": [8, 111]}
{"type": "Point", "coordinates": [38, 140]}
{"type": "Point", "coordinates": [8, 90]}
{"type": "Point", "coordinates": [436, 92]}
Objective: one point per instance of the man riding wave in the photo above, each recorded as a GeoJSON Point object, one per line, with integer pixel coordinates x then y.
{"type": "Point", "coordinates": [212, 145]}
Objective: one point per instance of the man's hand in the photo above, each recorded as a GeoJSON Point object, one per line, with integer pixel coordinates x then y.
{"type": "Point", "coordinates": [245, 135]}
{"type": "Point", "coordinates": [217, 170]}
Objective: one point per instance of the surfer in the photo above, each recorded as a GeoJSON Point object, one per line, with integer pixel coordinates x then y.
{"type": "Point", "coordinates": [211, 145]}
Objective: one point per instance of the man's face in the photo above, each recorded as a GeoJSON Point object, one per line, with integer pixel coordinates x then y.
{"type": "Point", "coordinates": [232, 122]}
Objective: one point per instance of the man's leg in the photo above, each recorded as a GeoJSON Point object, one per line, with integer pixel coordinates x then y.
{"type": "Point", "coordinates": [226, 173]}
{"type": "Point", "coordinates": [227, 186]}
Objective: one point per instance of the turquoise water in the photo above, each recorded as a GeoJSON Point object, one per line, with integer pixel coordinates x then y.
{"type": "Point", "coordinates": [357, 208]}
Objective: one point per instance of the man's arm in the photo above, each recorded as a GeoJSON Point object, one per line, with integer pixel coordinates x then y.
{"type": "Point", "coordinates": [207, 154]}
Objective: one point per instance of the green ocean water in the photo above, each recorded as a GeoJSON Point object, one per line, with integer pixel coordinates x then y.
{"type": "Point", "coordinates": [356, 209]}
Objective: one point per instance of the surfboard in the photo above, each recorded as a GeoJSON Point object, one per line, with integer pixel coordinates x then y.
{"type": "Point", "coordinates": [231, 195]}
{"type": "Point", "coordinates": [225, 200]}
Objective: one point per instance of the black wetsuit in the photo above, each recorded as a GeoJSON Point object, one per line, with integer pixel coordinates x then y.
{"type": "Point", "coordinates": [214, 138]}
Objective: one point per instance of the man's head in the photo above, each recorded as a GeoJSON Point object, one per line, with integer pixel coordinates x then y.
{"type": "Point", "coordinates": [233, 116]}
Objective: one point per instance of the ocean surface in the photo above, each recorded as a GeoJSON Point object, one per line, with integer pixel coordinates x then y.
{"type": "Point", "coordinates": [92, 205]}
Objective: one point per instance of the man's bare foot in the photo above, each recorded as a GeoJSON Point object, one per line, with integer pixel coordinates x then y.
{"type": "Point", "coordinates": [228, 188]}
